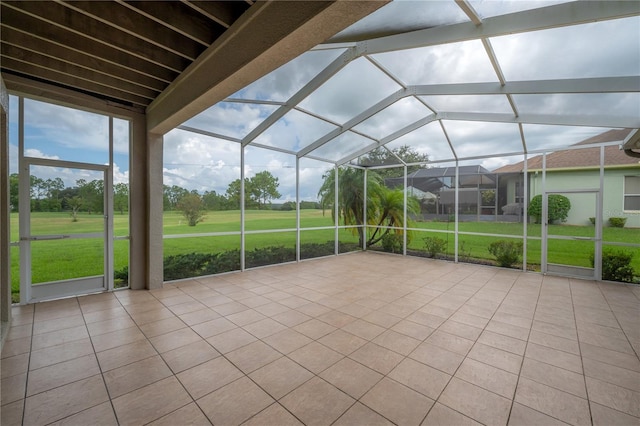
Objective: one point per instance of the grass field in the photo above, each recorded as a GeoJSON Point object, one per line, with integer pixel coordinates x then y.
{"type": "Point", "coordinates": [68, 258]}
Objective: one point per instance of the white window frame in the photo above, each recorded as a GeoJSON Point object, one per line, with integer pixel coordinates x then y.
{"type": "Point", "coordinates": [625, 195]}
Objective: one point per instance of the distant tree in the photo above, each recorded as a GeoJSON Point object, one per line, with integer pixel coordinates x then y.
{"type": "Point", "coordinates": [191, 207]}
{"type": "Point", "coordinates": [14, 183]}
{"type": "Point", "coordinates": [288, 206]}
{"type": "Point", "coordinates": [92, 194]}
{"type": "Point", "coordinates": [383, 156]}
{"type": "Point", "coordinates": [172, 196]}
{"type": "Point", "coordinates": [233, 195]}
{"type": "Point", "coordinates": [214, 201]}
{"type": "Point", "coordinates": [121, 197]}
{"type": "Point", "coordinates": [54, 189]}
{"type": "Point", "coordinates": [264, 188]}
{"type": "Point", "coordinates": [74, 204]}
{"type": "Point", "coordinates": [310, 205]}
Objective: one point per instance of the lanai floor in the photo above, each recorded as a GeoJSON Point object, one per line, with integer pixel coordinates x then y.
{"type": "Point", "coordinates": [360, 339]}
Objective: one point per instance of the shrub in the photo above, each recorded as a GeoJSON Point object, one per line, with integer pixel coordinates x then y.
{"type": "Point", "coordinates": [392, 242]}
{"type": "Point", "coordinates": [191, 206]}
{"type": "Point", "coordinates": [434, 246]}
{"type": "Point", "coordinates": [121, 277]}
{"type": "Point", "coordinates": [506, 252]}
{"type": "Point", "coordinates": [464, 254]}
{"type": "Point", "coordinates": [616, 265]}
{"type": "Point", "coordinates": [617, 222]}
{"type": "Point", "coordinates": [189, 265]}
{"type": "Point", "coordinates": [592, 220]}
{"type": "Point", "coordinates": [558, 208]}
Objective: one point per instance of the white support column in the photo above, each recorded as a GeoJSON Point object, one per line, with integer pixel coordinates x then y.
{"type": "Point", "coordinates": [23, 213]}
{"type": "Point", "coordinates": [405, 198]}
{"type": "Point", "coordinates": [297, 209]}
{"type": "Point", "coordinates": [543, 218]}
{"type": "Point", "coordinates": [108, 213]}
{"type": "Point", "coordinates": [336, 211]}
{"type": "Point", "coordinates": [525, 211]}
{"type": "Point", "coordinates": [457, 208]}
{"type": "Point", "coordinates": [597, 256]}
{"type": "Point", "coordinates": [365, 228]}
{"type": "Point", "coordinates": [242, 217]}
{"type": "Point", "coordinates": [5, 212]}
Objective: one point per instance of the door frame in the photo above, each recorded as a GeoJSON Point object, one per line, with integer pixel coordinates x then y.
{"type": "Point", "coordinates": [597, 239]}
{"type": "Point", "coordinates": [71, 287]}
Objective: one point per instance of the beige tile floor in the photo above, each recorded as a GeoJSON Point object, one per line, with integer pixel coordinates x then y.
{"type": "Point", "coordinates": [361, 339]}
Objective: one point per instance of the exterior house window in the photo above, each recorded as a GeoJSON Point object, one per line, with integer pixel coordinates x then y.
{"type": "Point", "coordinates": [632, 193]}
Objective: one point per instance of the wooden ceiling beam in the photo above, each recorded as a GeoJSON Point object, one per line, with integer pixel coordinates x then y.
{"type": "Point", "coordinates": [106, 36]}
{"type": "Point", "coordinates": [224, 13]}
{"type": "Point", "coordinates": [32, 43]}
{"type": "Point", "coordinates": [50, 63]}
{"type": "Point", "coordinates": [13, 18]}
{"type": "Point", "coordinates": [60, 79]}
{"type": "Point", "coordinates": [119, 17]}
{"type": "Point", "coordinates": [178, 17]}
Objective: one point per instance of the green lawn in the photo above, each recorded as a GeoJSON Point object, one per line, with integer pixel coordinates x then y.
{"type": "Point", "coordinates": [63, 259]}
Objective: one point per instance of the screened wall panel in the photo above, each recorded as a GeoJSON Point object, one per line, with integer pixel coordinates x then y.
{"type": "Point", "coordinates": [317, 243]}
{"type": "Point", "coordinates": [270, 181]}
{"type": "Point", "coordinates": [270, 248]}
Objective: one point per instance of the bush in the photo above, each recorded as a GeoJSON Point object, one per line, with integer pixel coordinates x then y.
{"type": "Point", "coordinates": [434, 246]}
{"type": "Point", "coordinates": [592, 220]}
{"type": "Point", "coordinates": [617, 222]}
{"type": "Point", "coordinates": [189, 265]}
{"type": "Point", "coordinates": [558, 208]}
{"type": "Point", "coordinates": [392, 242]}
{"type": "Point", "coordinates": [616, 265]}
{"type": "Point", "coordinates": [506, 252]}
{"type": "Point", "coordinates": [464, 254]}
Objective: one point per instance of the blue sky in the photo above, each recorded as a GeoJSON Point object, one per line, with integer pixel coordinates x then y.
{"type": "Point", "coordinates": [62, 133]}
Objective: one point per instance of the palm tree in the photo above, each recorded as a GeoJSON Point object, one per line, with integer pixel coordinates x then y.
{"type": "Point", "coordinates": [385, 207]}
{"type": "Point", "coordinates": [390, 213]}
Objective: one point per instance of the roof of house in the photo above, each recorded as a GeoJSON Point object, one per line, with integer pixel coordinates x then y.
{"type": "Point", "coordinates": [580, 158]}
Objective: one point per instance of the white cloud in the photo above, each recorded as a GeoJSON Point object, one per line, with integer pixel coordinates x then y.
{"type": "Point", "coordinates": [199, 162]}
{"type": "Point", "coordinates": [464, 62]}
{"type": "Point", "coordinates": [600, 49]}
{"type": "Point", "coordinates": [36, 153]}
{"type": "Point", "coordinates": [62, 129]}
{"type": "Point", "coordinates": [282, 83]}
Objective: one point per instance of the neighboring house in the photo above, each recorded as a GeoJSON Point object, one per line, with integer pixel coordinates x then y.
{"type": "Point", "coordinates": [435, 188]}
{"type": "Point", "coordinates": [580, 169]}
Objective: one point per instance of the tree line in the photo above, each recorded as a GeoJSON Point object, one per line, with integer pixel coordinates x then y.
{"type": "Point", "coordinates": [52, 195]}
{"type": "Point", "coordinates": [259, 191]}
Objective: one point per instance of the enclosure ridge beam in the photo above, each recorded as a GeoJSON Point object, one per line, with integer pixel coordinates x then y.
{"type": "Point", "coordinates": [207, 133]}
{"type": "Point", "coordinates": [626, 84]}
{"type": "Point", "coordinates": [469, 11]}
{"type": "Point", "coordinates": [560, 15]}
{"type": "Point", "coordinates": [551, 119]}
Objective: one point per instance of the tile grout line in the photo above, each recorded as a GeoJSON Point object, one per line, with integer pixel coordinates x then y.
{"type": "Point", "coordinates": [584, 374]}
{"type": "Point", "coordinates": [526, 345]}
{"type": "Point", "coordinates": [24, 404]}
